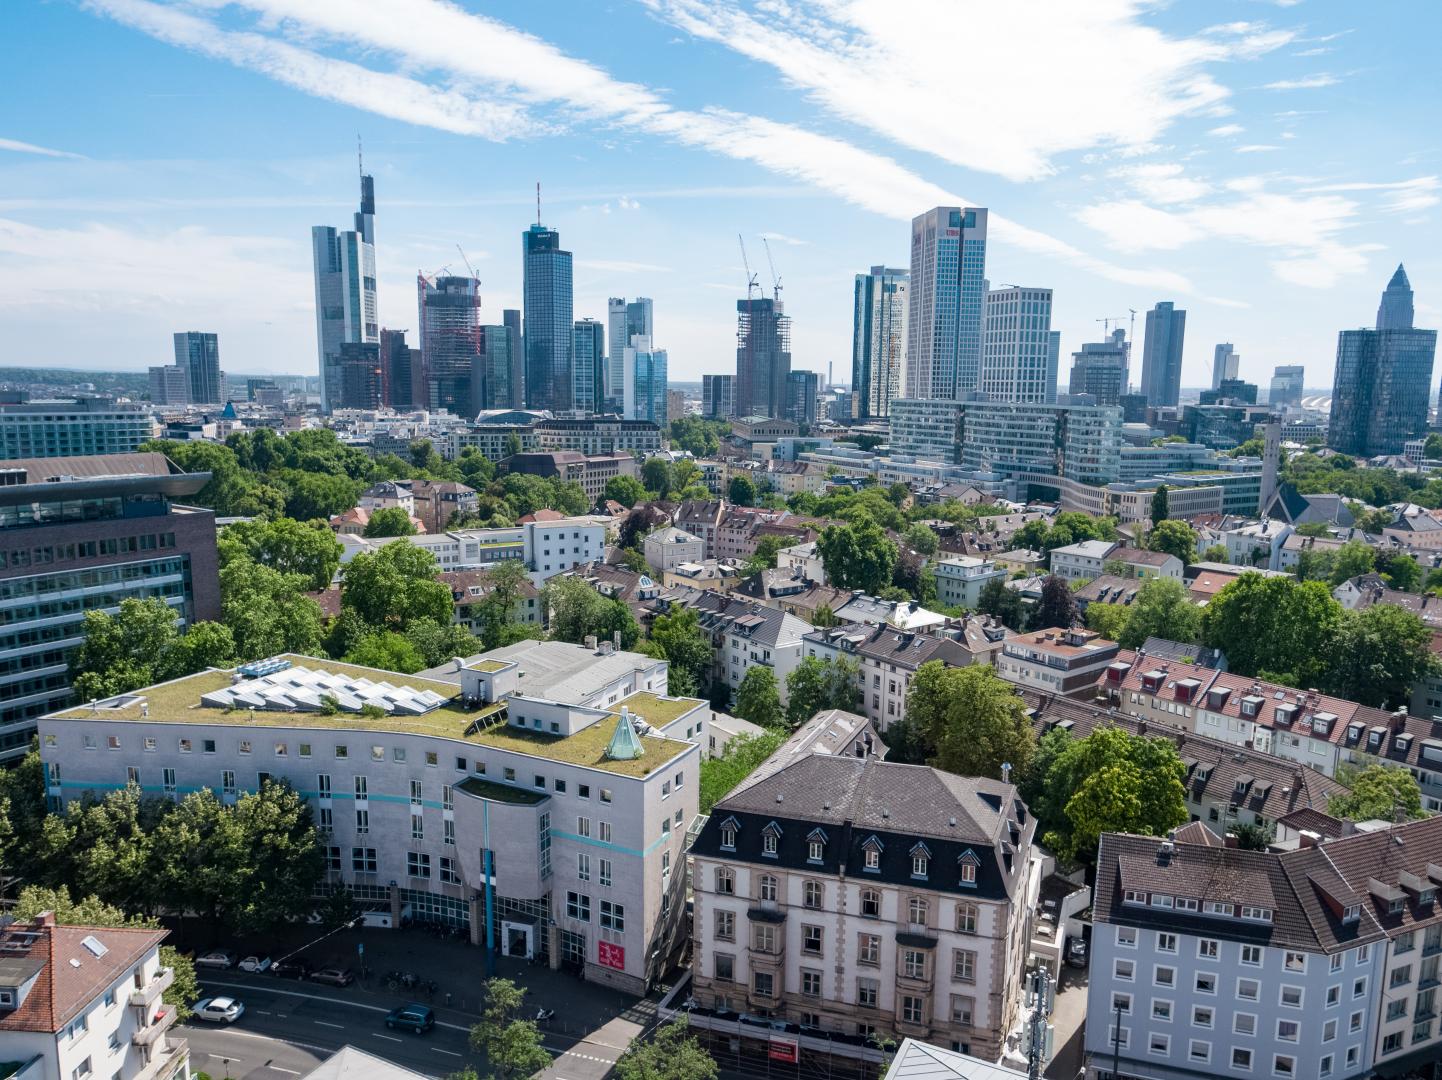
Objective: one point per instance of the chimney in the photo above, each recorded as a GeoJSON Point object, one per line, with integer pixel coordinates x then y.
{"type": "Point", "coordinates": [616, 640]}
{"type": "Point", "coordinates": [45, 918]}
{"type": "Point", "coordinates": [1308, 838]}
{"type": "Point", "coordinates": [1399, 720]}
{"type": "Point", "coordinates": [590, 640]}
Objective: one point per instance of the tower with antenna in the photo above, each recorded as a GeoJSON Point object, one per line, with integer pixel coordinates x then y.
{"type": "Point", "coordinates": [346, 316]}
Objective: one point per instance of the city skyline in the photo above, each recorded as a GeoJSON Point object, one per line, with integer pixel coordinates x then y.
{"type": "Point", "coordinates": [1277, 167]}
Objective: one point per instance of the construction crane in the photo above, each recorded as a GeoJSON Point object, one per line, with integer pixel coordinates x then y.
{"type": "Point", "coordinates": [467, 261]}
{"type": "Point", "coordinates": [775, 281]}
{"type": "Point", "coordinates": [752, 280]}
{"type": "Point", "coordinates": [1107, 322]}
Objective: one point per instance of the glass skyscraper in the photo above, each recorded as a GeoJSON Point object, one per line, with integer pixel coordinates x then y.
{"type": "Point", "coordinates": [1017, 363]}
{"type": "Point", "coordinates": [589, 348]}
{"type": "Point", "coordinates": [878, 339]}
{"type": "Point", "coordinates": [450, 320]}
{"type": "Point", "coordinates": [624, 320]}
{"type": "Point", "coordinates": [1162, 354]}
{"type": "Point", "coordinates": [948, 290]}
{"type": "Point", "coordinates": [763, 357]}
{"type": "Point", "coordinates": [1287, 382]}
{"type": "Point", "coordinates": [1382, 385]}
{"type": "Point", "coordinates": [1100, 369]}
{"type": "Point", "coordinates": [198, 355]}
{"type": "Point", "coordinates": [345, 291]}
{"type": "Point", "coordinates": [491, 386]}
{"type": "Point", "coordinates": [547, 302]}
{"type": "Point", "coordinates": [644, 393]}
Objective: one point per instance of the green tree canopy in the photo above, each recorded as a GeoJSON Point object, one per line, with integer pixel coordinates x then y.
{"type": "Point", "coordinates": [757, 698]}
{"type": "Point", "coordinates": [1160, 506]}
{"type": "Point", "coordinates": [286, 546]}
{"type": "Point", "coordinates": [721, 773]}
{"type": "Point", "coordinates": [764, 557]}
{"type": "Point", "coordinates": [390, 521]}
{"type": "Point", "coordinates": [1174, 538]}
{"type": "Point", "coordinates": [1057, 606]}
{"type": "Point", "coordinates": [386, 650]}
{"type": "Point", "coordinates": [997, 600]}
{"type": "Point", "coordinates": [1163, 608]}
{"type": "Point", "coordinates": [742, 491]}
{"type": "Point", "coordinates": [1378, 654]}
{"type": "Point", "coordinates": [1401, 571]}
{"type": "Point", "coordinates": [816, 685]}
{"type": "Point", "coordinates": [679, 639]}
{"type": "Point", "coordinates": [394, 586]}
{"type": "Point", "coordinates": [1273, 624]}
{"type": "Point", "coordinates": [506, 585]}
{"type": "Point", "coordinates": [512, 1046]}
{"type": "Point", "coordinates": [139, 645]}
{"type": "Point", "coordinates": [657, 476]}
{"type": "Point", "coordinates": [672, 1054]}
{"type": "Point", "coordinates": [921, 539]}
{"type": "Point", "coordinates": [626, 490]}
{"type": "Point", "coordinates": [1108, 620]}
{"type": "Point", "coordinates": [971, 720]}
{"type": "Point", "coordinates": [267, 611]}
{"type": "Point", "coordinates": [857, 555]}
{"type": "Point", "coordinates": [578, 611]}
{"type": "Point", "coordinates": [1381, 793]}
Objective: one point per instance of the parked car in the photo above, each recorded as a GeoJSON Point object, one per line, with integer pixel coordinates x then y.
{"type": "Point", "coordinates": [412, 1017]}
{"type": "Point", "coordinates": [216, 958]}
{"type": "Point", "coordinates": [1076, 952]}
{"type": "Point", "coordinates": [297, 967]}
{"type": "Point", "coordinates": [255, 964]}
{"type": "Point", "coordinates": [333, 976]}
{"type": "Point", "coordinates": [219, 1010]}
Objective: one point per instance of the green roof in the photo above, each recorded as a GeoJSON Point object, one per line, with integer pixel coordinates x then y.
{"type": "Point", "coordinates": [491, 665]}
{"type": "Point", "coordinates": [656, 710]}
{"type": "Point", "coordinates": [178, 702]}
{"type": "Point", "coordinates": [489, 789]}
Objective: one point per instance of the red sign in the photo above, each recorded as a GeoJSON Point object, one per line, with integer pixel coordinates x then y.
{"type": "Point", "coordinates": [611, 956]}
{"type": "Point", "coordinates": [783, 1050]}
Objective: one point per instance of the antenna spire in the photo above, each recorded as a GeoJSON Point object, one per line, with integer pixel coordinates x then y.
{"type": "Point", "coordinates": [359, 156]}
{"type": "Point", "coordinates": [538, 202]}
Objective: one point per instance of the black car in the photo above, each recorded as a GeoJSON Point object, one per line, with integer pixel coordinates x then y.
{"type": "Point", "coordinates": [334, 976]}
{"type": "Point", "coordinates": [294, 968]}
{"type": "Point", "coordinates": [412, 1017]}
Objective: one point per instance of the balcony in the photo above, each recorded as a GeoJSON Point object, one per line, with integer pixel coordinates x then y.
{"type": "Point", "coordinates": [167, 1061]}
{"type": "Point", "coordinates": [149, 1034]}
{"type": "Point", "coordinates": [146, 995]}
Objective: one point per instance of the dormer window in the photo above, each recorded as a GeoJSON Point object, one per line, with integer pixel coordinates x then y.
{"type": "Point", "coordinates": [1426, 896]}
{"type": "Point", "coordinates": [728, 834]}
{"type": "Point", "coordinates": [1351, 913]}
{"type": "Point", "coordinates": [770, 839]}
{"type": "Point", "coordinates": [871, 854]}
{"type": "Point", "coordinates": [920, 860]}
{"type": "Point", "coordinates": [967, 864]}
{"type": "Point", "coordinates": [815, 846]}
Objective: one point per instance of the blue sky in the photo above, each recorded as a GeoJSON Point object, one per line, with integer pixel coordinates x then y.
{"type": "Point", "coordinates": [1263, 164]}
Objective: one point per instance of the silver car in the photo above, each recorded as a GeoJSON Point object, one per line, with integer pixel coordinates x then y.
{"type": "Point", "coordinates": [216, 958]}
{"type": "Point", "coordinates": [219, 1010]}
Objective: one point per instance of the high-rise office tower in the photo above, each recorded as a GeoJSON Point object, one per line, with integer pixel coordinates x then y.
{"type": "Point", "coordinates": [1382, 385]}
{"type": "Point", "coordinates": [345, 290]}
{"type": "Point", "coordinates": [403, 372]}
{"type": "Point", "coordinates": [198, 355]}
{"type": "Point", "coordinates": [644, 392]}
{"type": "Point", "coordinates": [763, 357]}
{"type": "Point", "coordinates": [491, 386]}
{"type": "Point", "coordinates": [947, 294]}
{"type": "Point", "coordinates": [169, 385]}
{"type": "Point", "coordinates": [589, 367]}
{"type": "Point", "coordinates": [546, 298]}
{"type": "Point", "coordinates": [1100, 369]}
{"type": "Point", "coordinates": [624, 320]}
{"type": "Point", "coordinates": [450, 321]}
{"type": "Point", "coordinates": [1162, 354]}
{"type": "Point", "coordinates": [878, 339]}
{"type": "Point", "coordinates": [361, 375]}
{"type": "Point", "coordinates": [1287, 384]}
{"type": "Point", "coordinates": [718, 396]}
{"type": "Point", "coordinates": [1016, 357]}
{"type": "Point", "coordinates": [803, 388]}
{"type": "Point", "coordinates": [1225, 363]}
{"type": "Point", "coordinates": [511, 319]}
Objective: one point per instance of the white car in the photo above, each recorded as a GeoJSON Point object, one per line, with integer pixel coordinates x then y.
{"type": "Point", "coordinates": [216, 958]}
{"type": "Point", "coordinates": [220, 1010]}
{"type": "Point", "coordinates": [254, 964]}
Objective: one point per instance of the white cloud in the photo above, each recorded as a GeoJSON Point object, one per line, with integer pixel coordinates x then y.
{"type": "Point", "coordinates": [1402, 196]}
{"type": "Point", "coordinates": [1162, 183]}
{"type": "Point", "coordinates": [1134, 226]}
{"type": "Point", "coordinates": [782, 238]}
{"type": "Point", "coordinates": [1256, 148]}
{"type": "Point", "coordinates": [1309, 82]}
{"type": "Point", "coordinates": [878, 65]}
{"type": "Point", "coordinates": [19, 147]}
{"type": "Point", "coordinates": [1227, 129]}
{"type": "Point", "coordinates": [622, 266]}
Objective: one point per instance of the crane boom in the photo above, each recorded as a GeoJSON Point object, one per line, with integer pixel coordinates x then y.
{"type": "Point", "coordinates": [775, 281]}
{"type": "Point", "coordinates": [467, 261]}
{"type": "Point", "coordinates": [751, 279]}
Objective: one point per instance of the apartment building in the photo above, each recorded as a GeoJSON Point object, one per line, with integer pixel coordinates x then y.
{"type": "Point", "coordinates": [469, 590]}
{"type": "Point", "coordinates": [546, 547]}
{"type": "Point", "coordinates": [79, 427]}
{"type": "Point", "coordinates": [702, 517]}
{"type": "Point", "coordinates": [745, 634]}
{"type": "Point", "coordinates": [82, 1002]}
{"type": "Point", "coordinates": [960, 579]}
{"type": "Point", "coordinates": [666, 549]}
{"type": "Point", "coordinates": [857, 896]}
{"type": "Point", "coordinates": [1082, 561]}
{"type": "Point", "coordinates": [591, 471]}
{"type": "Point", "coordinates": [84, 534]}
{"type": "Point", "coordinates": [1056, 661]}
{"type": "Point", "coordinates": [1146, 565]}
{"type": "Point", "coordinates": [594, 435]}
{"type": "Point", "coordinates": [549, 785]}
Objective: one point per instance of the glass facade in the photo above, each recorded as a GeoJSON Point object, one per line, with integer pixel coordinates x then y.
{"type": "Point", "coordinates": [645, 390]}
{"type": "Point", "coordinates": [1381, 390]}
{"type": "Point", "coordinates": [198, 355]}
{"type": "Point", "coordinates": [878, 341]}
{"type": "Point", "coordinates": [45, 429]}
{"type": "Point", "coordinates": [1162, 354]}
{"type": "Point", "coordinates": [589, 373]}
{"type": "Point", "coordinates": [450, 320]}
{"type": "Point", "coordinates": [1100, 369]}
{"type": "Point", "coordinates": [948, 291]}
{"type": "Point", "coordinates": [344, 264]}
{"type": "Point", "coordinates": [1017, 362]}
{"type": "Point", "coordinates": [763, 357]}
{"type": "Point", "coordinates": [548, 305]}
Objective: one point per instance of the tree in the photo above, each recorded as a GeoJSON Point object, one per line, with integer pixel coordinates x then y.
{"type": "Point", "coordinates": [742, 491]}
{"type": "Point", "coordinates": [390, 521]}
{"type": "Point", "coordinates": [757, 698]}
{"type": "Point", "coordinates": [120, 651]}
{"type": "Point", "coordinates": [1379, 792]}
{"type": "Point", "coordinates": [267, 611]}
{"type": "Point", "coordinates": [764, 557]}
{"type": "Point", "coordinates": [1401, 571]}
{"type": "Point", "coordinates": [1174, 538]}
{"type": "Point", "coordinates": [816, 685]}
{"type": "Point", "coordinates": [286, 546]}
{"type": "Point", "coordinates": [824, 616]}
{"type": "Point", "coordinates": [1112, 781]}
{"type": "Point", "coordinates": [672, 1054]}
{"type": "Point", "coordinates": [204, 645]}
{"type": "Point", "coordinates": [317, 495]}
{"type": "Point", "coordinates": [1354, 558]}
{"type": "Point", "coordinates": [1160, 509]}
{"type": "Point", "coordinates": [1378, 654]}
{"type": "Point", "coordinates": [386, 650]}
{"type": "Point", "coordinates": [996, 600]}
{"type": "Point", "coordinates": [1252, 836]}
{"type": "Point", "coordinates": [394, 586]}
{"type": "Point", "coordinates": [577, 611]}
{"type": "Point", "coordinates": [681, 641]}
{"type": "Point", "coordinates": [972, 720]}
{"type": "Point", "coordinates": [1163, 608]}
{"type": "Point", "coordinates": [512, 1046]}
{"type": "Point", "coordinates": [656, 476]}
{"type": "Point", "coordinates": [921, 539]}
{"type": "Point", "coordinates": [1108, 620]}
{"type": "Point", "coordinates": [506, 584]}
{"type": "Point", "coordinates": [1057, 607]}
{"type": "Point", "coordinates": [721, 774]}
{"type": "Point", "coordinates": [1216, 553]}
{"type": "Point", "coordinates": [626, 490]}
{"type": "Point", "coordinates": [184, 988]}
{"type": "Point", "coordinates": [1273, 624]}
{"type": "Point", "coordinates": [1432, 447]}
{"type": "Point", "coordinates": [857, 555]}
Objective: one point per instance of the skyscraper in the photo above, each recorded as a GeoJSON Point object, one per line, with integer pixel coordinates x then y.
{"type": "Point", "coordinates": [718, 396]}
{"type": "Point", "coordinates": [878, 339]}
{"type": "Point", "coordinates": [644, 391]}
{"type": "Point", "coordinates": [402, 370]}
{"type": "Point", "coordinates": [802, 390]}
{"type": "Point", "coordinates": [1016, 355]}
{"type": "Point", "coordinates": [511, 319]}
{"type": "Point", "coordinates": [450, 321]}
{"type": "Point", "coordinates": [198, 355]}
{"type": "Point", "coordinates": [1225, 363]}
{"type": "Point", "coordinates": [361, 375]}
{"type": "Point", "coordinates": [491, 388]}
{"type": "Point", "coordinates": [1287, 384]}
{"type": "Point", "coordinates": [1100, 369]}
{"type": "Point", "coordinates": [947, 292]}
{"type": "Point", "coordinates": [763, 357]}
{"type": "Point", "coordinates": [589, 347]}
{"type": "Point", "coordinates": [1382, 385]}
{"type": "Point", "coordinates": [546, 298]}
{"type": "Point", "coordinates": [623, 322]}
{"type": "Point", "coordinates": [1162, 354]}
{"type": "Point", "coordinates": [345, 290]}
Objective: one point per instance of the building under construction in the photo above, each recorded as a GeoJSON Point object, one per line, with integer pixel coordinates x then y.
{"type": "Point", "coordinates": [763, 357]}
{"type": "Point", "coordinates": [451, 342]}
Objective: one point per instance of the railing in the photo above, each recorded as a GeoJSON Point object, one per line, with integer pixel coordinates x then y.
{"type": "Point", "coordinates": [145, 995]}
{"type": "Point", "coordinates": [163, 1022]}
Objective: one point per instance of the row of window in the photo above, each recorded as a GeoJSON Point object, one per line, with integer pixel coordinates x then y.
{"type": "Point", "coordinates": [1293, 961]}
{"type": "Point", "coordinates": [868, 992]}
{"type": "Point", "coordinates": [813, 896]}
{"type": "Point", "coordinates": [871, 848]}
{"type": "Point", "coordinates": [1205, 982]}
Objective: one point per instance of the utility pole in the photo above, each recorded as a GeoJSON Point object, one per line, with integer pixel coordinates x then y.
{"type": "Point", "coordinates": [1038, 1043]}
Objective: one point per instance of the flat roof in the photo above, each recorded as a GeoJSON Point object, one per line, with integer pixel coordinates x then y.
{"type": "Point", "coordinates": [178, 702]}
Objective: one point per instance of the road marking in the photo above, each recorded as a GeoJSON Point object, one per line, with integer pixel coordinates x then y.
{"type": "Point", "coordinates": [277, 1068]}
{"type": "Point", "coordinates": [262, 1012]}
{"type": "Point", "coordinates": [390, 1038]}
{"type": "Point", "coordinates": [276, 1038]}
{"type": "Point", "coordinates": [438, 1050]}
{"type": "Point", "coordinates": [327, 1000]}
{"type": "Point", "coordinates": [327, 1023]}
{"type": "Point", "coordinates": [228, 1057]}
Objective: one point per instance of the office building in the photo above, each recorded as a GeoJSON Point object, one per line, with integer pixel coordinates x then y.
{"type": "Point", "coordinates": [948, 292]}
{"type": "Point", "coordinates": [1234, 391]}
{"type": "Point", "coordinates": [1017, 361]}
{"type": "Point", "coordinates": [403, 372]}
{"type": "Point", "coordinates": [264, 392]}
{"type": "Point", "coordinates": [1287, 384]}
{"type": "Point", "coordinates": [844, 893]}
{"type": "Point", "coordinates": [1225, 364]}
{"type": "Point", "coordinates": [763, 357]}
{"type": "Point", "coordinates": [588, 344]}
{"type": "Point", "coordinates": [593, 473]}
{"type": "Point", "coordinates": [545, 785]}
{"type": "Point", "coordinates": [675, 405]}
{"type": "Point", "coordinates": [624, 320]}
{"type": "Point", "coordinates": [362, 376]}
{"type": "Point", "coordinates": [511, 320]}
{"type": "Point", "coordinates": [1162, 354]}
{"type": "Point", "coordinates": [345, 290]}
{"type": "Point", "coordinates": [1101, 369]}
{"type": "Point", "coordinates": [718, 396]}
{"type": "Point", "coordinates": [450, 322]}
{"type": "Point", "coordinates": [82, 534]}
{"type": "Point", "coordinates": [928, 429]}
{"type": "Point", "coordinates": [1382, 386]}
{"type": "Point", "coordinates": [1082, 442]}
{"type": "Point", "coordinates": [83, 1001]}
{"type": "Point", "coordinates": [547, 300]}
{"type": "Point", "coordinates": [599, 435]}
{"type": "Point", "coordinates": [491, 386]}
{"type": "Point", "coordinates": [169, 385]}
{"type": "Point", "coordinates": [198, 355]}
{"type": "Point", "coordinates": [87, 425]}
{"type": "Point", "coordinates": [803, 388]}
{"type": "Point", "coordinates": [880, 307]}
{"type": "Point", "coordinates": [644, 391]}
